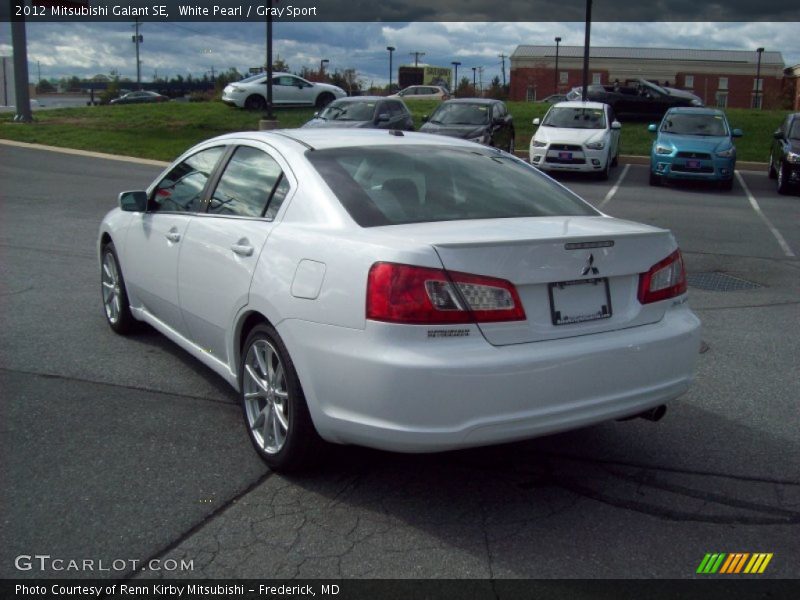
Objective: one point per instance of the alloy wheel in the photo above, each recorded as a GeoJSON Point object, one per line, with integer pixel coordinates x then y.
{"type": "Point", "coordinates": [111, 288]}
{"type": "Point", "coordinates": [266, 397]}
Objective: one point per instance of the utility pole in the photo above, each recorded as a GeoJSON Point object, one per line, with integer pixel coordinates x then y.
{"type": "Point", "coordinates": [39, 71]}
{"type": "Point", "coordinates": [586, 40]}
{"type": "Point", "coordinates": [138, 39]}
{"type": "Point", "coordinates": [474, 80]}
{"type": "Point", "coordinates": [416, 56]}
{"type": "Point", "coordinates": [503, 58]}
{"type": "Point", "coordinates": [455, 64]}
{"type": "Point", "coordinates": [480, 79]}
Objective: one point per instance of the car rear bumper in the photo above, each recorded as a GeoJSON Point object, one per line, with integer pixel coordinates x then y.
{"type": "Point", "coordinates": [397, 388]}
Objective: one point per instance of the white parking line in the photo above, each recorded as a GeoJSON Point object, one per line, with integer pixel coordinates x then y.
{"type": "Point", "coordinates": [614, 189]}
{"type": "Point", "coordinates": [74, 152]}
{"type": "Point", "coordinates": [781, 241]}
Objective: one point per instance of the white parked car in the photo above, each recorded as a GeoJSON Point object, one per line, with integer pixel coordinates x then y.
{"type": "Point", "coordinates": [403, 291]}
{"type": "Point", "coordinates": [423, 92]}
{"type": "Point", "coordinates": [287, 90]}
{"type": "Point", "coordinates": [576, 136]}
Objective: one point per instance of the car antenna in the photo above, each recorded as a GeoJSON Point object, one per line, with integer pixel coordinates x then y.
{"type": "Point", "coordinates": [396, 132]}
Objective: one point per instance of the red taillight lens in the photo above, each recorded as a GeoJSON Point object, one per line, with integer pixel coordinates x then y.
{"type": "Point", "coordinates": [665, 279]}
{"type": "Point", "coordinates": [419, 295]}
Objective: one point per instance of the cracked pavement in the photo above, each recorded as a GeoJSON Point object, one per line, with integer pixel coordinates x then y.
{"type": "Point", "coordinates": [128, 448]}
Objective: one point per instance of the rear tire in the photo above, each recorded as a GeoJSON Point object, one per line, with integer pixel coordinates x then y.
{"type": "Point", "coordinates": [655, 180]}
{"type": "Point", "coordinates": [115, 296]}
{"type": "Point", "coordinates": [275, 412]}
{"type": "Point", "coordinates": [255, 102]}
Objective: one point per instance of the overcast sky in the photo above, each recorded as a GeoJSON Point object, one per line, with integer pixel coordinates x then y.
{"type": "Point", "coordinates": [64, 49]}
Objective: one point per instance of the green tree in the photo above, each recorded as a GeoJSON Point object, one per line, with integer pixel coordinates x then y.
{"type": "Point", "coordinates": [465, 89]}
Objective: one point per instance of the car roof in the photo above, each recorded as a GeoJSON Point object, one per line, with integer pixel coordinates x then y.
{"type": "Point", "coordinates": [696, 110]}
{"type": "Point", "coordinates": [294, 140]}
{"type": "Point", "coordinates": [472, 101]}
{"type": "Point", "coordinates": [579, 104]}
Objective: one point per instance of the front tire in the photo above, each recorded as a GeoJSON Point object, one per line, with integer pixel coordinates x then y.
{"type": "Point", "coordinates": [255, 102]}
{"type": "Point", "coordinates": [275, 411]}
{"type": "Point", "coordinates": [324, 99]}
{"type": "Point", "coordinates": [771, 168]}
{"type": "Point", "coordinates": [655, 180]}
{"type": "Point", "coordinates": [605, 173]}
{"type": "Point", "coordinates": [783, 179]}
{"type": "Point", "coordinates": [115, 296]}
{"type": "Point", "coordinates": [512, 144]}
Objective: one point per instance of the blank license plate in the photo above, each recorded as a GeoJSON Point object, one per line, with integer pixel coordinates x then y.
{"type": "Point", "coordinates": [565, 155]}
{"type": "Point", "coordinates": [579, 301]}
{"type": "Point", "coordinates": [693, 164]}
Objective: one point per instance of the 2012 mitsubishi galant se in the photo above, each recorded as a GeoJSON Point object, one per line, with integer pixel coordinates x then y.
{"type": "Point", "coordinates": [398, 290]}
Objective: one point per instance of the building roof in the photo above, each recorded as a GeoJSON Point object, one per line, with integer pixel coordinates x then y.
{"type": "Point", "coordinates": [668, 54]}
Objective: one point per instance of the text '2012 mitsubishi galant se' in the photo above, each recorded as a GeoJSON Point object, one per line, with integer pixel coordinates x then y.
{"type": "Point", "coordinates": [401, 291]}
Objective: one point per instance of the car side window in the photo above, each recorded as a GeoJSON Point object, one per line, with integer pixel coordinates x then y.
{"type": "Point", "coordinates": [246, 185]}
{"type": "Point", "coordinates": [395, 109]}
{"type": "Point", "coordinates": [182, 188]}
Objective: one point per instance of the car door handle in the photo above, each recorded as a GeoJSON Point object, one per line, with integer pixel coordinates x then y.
{"type": "Point", "coordinates": [173, 236]}
{"type": "Point", "coordinates": [242, 249]}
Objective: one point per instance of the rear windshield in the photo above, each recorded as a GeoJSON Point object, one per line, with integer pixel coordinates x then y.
{"type": "Point", "coordinates": [383, 185]}
{"type": "Point", "coordinates": [348, 111]}
{"type": "Point", "coordinates": [461, 114]}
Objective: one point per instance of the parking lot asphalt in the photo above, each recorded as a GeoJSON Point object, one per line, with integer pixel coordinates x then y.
{"type": "Point", "coordinates": [127, 448]}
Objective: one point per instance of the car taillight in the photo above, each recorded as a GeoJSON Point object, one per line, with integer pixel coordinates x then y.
{"type": "Point", "coordinates": [665, 279]}
{"type": "Point", "coordinates": [419, 295]}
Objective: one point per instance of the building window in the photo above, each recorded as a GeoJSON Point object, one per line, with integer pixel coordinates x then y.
{"type": "Point", "coordinates": [597, 78]}
{"type": "Point", "coordinates": [722, 99]}
{"type": "Point", "coordinates": [758, 84]}
{"type": "Point", "coordinates": [563, 77]}
{"type": "Point", "coordinates": [688, 81]}
{"type": "Point", "coordinates": [723, 83]}
{"type": "Point", "coordinates": [756, 100]}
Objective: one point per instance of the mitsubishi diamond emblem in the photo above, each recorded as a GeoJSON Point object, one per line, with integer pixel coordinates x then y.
{"type": "Point", "coordinates": [590, 268]}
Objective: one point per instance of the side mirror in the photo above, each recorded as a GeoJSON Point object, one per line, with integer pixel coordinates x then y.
{"type": "Point", "coordinates": [537, 121]}
{"type": "Point", "coordinates": [777, 134]}
{"type": "Point", "coordinates": [133, 201]}
{"type": "Point", "coordinates": [616, 125]}
{"type": "Point", "coordinates": [425, 118]}
{"type": "Point", "coordinates": [316, 114]}
{"type": "Point", "coordinates": [382, 118]}
{"type": "Point", "coordinates": [737, 133]}
{"type": "Point", "coordinates": [652, 128]}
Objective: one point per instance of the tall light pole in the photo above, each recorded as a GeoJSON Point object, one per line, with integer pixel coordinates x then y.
{"type": "Point", "coordinates": [269, 121]}
{"type": "Point", "coordinates": [474, 81]}
{"type": "Point", "coordinates": [390, 49]}
{"type": "Point", "coordinates": [758, 79]}
{"type": "Point", "coordinates": [138, 39]}
{"type": "Point", "coordinates": [586, 40]}
{"type": "Point", "coordinates": [555, 75]}
{"type": "Point", "coordinates": [455, 64]}
{"type": "Point", "coordinates": [322, 64]}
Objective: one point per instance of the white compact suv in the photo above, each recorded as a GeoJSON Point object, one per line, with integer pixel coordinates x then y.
{"type": "Point", "coordinates": [576, 136]}
{"type": "Point", "coordinates": [287, 90]}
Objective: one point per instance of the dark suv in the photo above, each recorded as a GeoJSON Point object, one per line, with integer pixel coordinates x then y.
{"type": "Point", "coordinates": [784, 156]}
{"type": "Point", "coordinates": [641, 99]}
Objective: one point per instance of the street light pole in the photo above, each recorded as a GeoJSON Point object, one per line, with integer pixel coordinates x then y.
{"type": "Point", "coordinates": [455, 64]}
{"type": "Point", "coordinates": [586, 40]}
{"type": "Point", "coordinates": [555, 75]}
{"type": "Point", "coordinates": [322, 64]}
{"type": "Point", "coordinates": [474, 84]}
{"type": "Point", "coordinates": [269, 121]}
{"type": "Point", "coordinates": [758, 79]}
{"type": "Point", "coordinates": [390, 49]}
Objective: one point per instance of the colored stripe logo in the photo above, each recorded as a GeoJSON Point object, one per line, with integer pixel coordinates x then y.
{"type": "Point", "coordinates": [734, 563]}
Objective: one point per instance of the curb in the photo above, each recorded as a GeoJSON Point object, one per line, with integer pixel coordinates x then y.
{"type": "Point", "coordinates": [74, 152]}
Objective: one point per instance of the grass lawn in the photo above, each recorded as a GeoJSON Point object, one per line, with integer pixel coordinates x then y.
{"type": "Point", "coordinates": [163, 131]}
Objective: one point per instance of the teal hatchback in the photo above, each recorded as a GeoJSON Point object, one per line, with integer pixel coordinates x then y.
{"type": "Point", "coordinates": [693, 144]}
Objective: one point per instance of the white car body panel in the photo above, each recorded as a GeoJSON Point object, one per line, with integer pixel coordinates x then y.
{"type": "Point", "coordinates": [404, 387]}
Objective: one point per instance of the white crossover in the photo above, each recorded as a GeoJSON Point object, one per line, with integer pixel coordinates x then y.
{"type": "Point", "coordinates": [287, 90]}
{"type": "Point", "coordinates": [576, 136]}
{"type": "Point", "coordinates": [403, 291]}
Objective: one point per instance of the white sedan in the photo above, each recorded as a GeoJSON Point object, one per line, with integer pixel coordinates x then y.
{"type": "Point", "coordinates": [287, 90]}
{"type": "Point", "coordinates": [576, 136]}
{"type": "Point", "coordinates": [403, 291]}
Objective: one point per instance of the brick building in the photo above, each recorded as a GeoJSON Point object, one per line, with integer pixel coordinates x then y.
{"type": "Point", "coordinates": [723, 78]}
